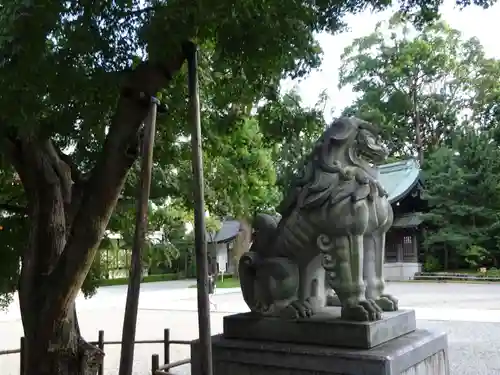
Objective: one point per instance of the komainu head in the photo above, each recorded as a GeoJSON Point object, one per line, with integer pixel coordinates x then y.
{"type": "Point", "coordinates": [350, 140]}
{"type": "Point", "coordinates": [346, 145]}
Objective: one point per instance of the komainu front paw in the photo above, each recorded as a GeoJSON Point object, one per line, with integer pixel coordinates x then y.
{"type": "Point", "coordinates": [363, 311]}
{"type": "Point", "coordinates": [297, 310]}
{"type": "Point", "coordinates": [387, 302]}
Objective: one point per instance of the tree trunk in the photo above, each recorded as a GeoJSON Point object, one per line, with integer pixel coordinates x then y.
{"type": "Point", "coordinates": [53, 342]}
{"type": "Point", "coordinates": [69, 212]}
{"type": "Point", "coordinates": [59, 350]}
{"type": "Point", "coordinates": [242, 242]}
{"type": "Point", "coordinates": [418, 126]}
{"type": "Point", "coordinates": [68, 215]}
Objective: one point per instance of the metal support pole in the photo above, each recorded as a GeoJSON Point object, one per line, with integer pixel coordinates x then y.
{"type": "Point", "coordinates": [199, 215]}
{"type": "Point", "coordinates": [141, 225]}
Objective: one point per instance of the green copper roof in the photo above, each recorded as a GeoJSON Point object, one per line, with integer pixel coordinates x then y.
{"type": "Point", "coordinates": [227, 233]}
{"type": "Point", "coordinates": [399, 178]}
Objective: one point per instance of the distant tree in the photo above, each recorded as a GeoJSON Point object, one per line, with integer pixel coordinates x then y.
{"type": "Point", "coordinates": [292, 128]}
{"type": "Point", "coordinates": [241, 179]}
{"type": "Point", "coordinates": [414, 83]}
{"type": "Point", "coordinates": [464, 198]}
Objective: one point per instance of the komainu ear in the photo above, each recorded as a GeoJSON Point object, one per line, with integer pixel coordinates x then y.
{"type": "Point", "coordinates": [342, 128]}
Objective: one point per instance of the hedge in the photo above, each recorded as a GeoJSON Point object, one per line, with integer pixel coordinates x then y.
{"type": "Point", "coordinates": [145, 279]}
{"type": "Point", "coordinates": [456, 276]}
{"type": "Point", "coordinates": [152, 279]}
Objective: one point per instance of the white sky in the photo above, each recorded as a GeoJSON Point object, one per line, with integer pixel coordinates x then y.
{"type": "Point", "coordinates": [472, 22]}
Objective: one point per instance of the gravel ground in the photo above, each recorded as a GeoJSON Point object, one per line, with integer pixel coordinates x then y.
{"type": "Point", "coordinates": [474, 348]}
{"type": "Point", "coordinates": [474, 345]}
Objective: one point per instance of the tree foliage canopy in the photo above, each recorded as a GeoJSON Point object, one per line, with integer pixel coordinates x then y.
{"type": "Point", "coordinates": [415, 83]}
{"type": "Point", "coordinates": [436, 82]}
{"type": "Point", "coordinates": [463, 193]}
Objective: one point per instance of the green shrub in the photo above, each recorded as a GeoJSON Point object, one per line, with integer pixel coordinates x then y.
{"type": "Point", "coordinates": [431, 264]}
{"type": "Point", "coordinates": [226, 276]}
{"type": "Point", "coordinates": [493, 272]}
{"type": "Point", "coordinates": [476, 256]}
{"type": "Point", "coordinates": [229, 282]}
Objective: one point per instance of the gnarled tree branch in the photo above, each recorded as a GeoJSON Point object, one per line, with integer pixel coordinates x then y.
{"type": "Point", "coordinates": [62, 170]}
{"type": "Point", "coordinates": [11, 148]}
{"type": "Point", "coordinates": [76, 174]}
{"type": "Point", "coordinates": [106, 180]}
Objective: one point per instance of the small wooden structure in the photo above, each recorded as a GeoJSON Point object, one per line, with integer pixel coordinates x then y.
{"type": "Point", "coordinates": [220, 246]}
{"type": "Point", "coordinates": [403, 182]}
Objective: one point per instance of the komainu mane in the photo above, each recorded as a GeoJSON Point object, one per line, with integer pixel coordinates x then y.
{"type": "Point", "coordinates": [331, 234]}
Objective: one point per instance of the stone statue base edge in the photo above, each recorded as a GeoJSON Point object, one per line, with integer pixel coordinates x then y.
{"type": "Point", "coordinates": [420, 352]}
{"type": "Point", "coordinates": [325, 328]}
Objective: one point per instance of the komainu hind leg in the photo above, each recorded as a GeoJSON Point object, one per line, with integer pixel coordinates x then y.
{"type": "Point", "coordinates": [348, 282]}
{"type": "Point", "coordinates": [270, 285]}
{"type": "Point", "coordinates": [376, 284]}
{"type": "Point", "coordinates": [311, 293]}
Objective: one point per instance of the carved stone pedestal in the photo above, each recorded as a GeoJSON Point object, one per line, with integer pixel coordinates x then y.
{"type": "Point", "coordinates": [414, 352]}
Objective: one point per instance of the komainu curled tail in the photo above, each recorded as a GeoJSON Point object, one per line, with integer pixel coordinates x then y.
{"type": "Point", "coordinates": [269, 283]}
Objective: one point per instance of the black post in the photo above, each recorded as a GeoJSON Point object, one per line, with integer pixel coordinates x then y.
{"type": "Point", "coordinates": [141, 225]}
{"type": "Point", "coordinates": [199, 215]}
{"type": "Point", "coordinates": [166, 346]}
{"type": "Point", "coordinates": [100, 345]}
{"type": "Point", "coordinates": [22, 356]}
{"type": "Point", "coordinates": [155, 363]}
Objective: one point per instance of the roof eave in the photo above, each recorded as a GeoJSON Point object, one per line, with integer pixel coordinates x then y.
{"type": "Point", "coordinates": [225, 240]}
{"type": "Point", "coordinates": [408, 189]}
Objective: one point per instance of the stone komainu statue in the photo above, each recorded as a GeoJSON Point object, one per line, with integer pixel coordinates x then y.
{"type": "Point", "coordinates": [331, 234]}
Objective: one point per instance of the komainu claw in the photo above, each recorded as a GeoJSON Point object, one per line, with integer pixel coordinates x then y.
{"type": "Point", "coordinates": [297, 310]}
{"type": "Point", "coordinates": [363, 311]}
{"type": "Point", "coordinates": [387, 302]}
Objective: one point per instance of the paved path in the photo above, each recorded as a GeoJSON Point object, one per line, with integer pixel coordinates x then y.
{"type": "Point", "coordinates": [469, 313]}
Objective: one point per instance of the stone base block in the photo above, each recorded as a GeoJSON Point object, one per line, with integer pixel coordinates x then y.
{"type": "Point", "coordinates": [418, 353]}
{"type": "Point", "coordinates": [325, 328]}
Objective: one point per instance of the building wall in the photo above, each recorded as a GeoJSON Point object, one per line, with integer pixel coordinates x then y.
{"type": "Point", "coordinates": [401, 271]}
{"type": "Point", "coordinates": [123, 273]}
{"type": "Point", "coordinates": [401, 246]}
{"type": "Point", "coordinates": [224, 258]}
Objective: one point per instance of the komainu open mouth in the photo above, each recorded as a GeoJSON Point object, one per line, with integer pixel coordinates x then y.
{"type": "Point", "coordinates": [372, 153]}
